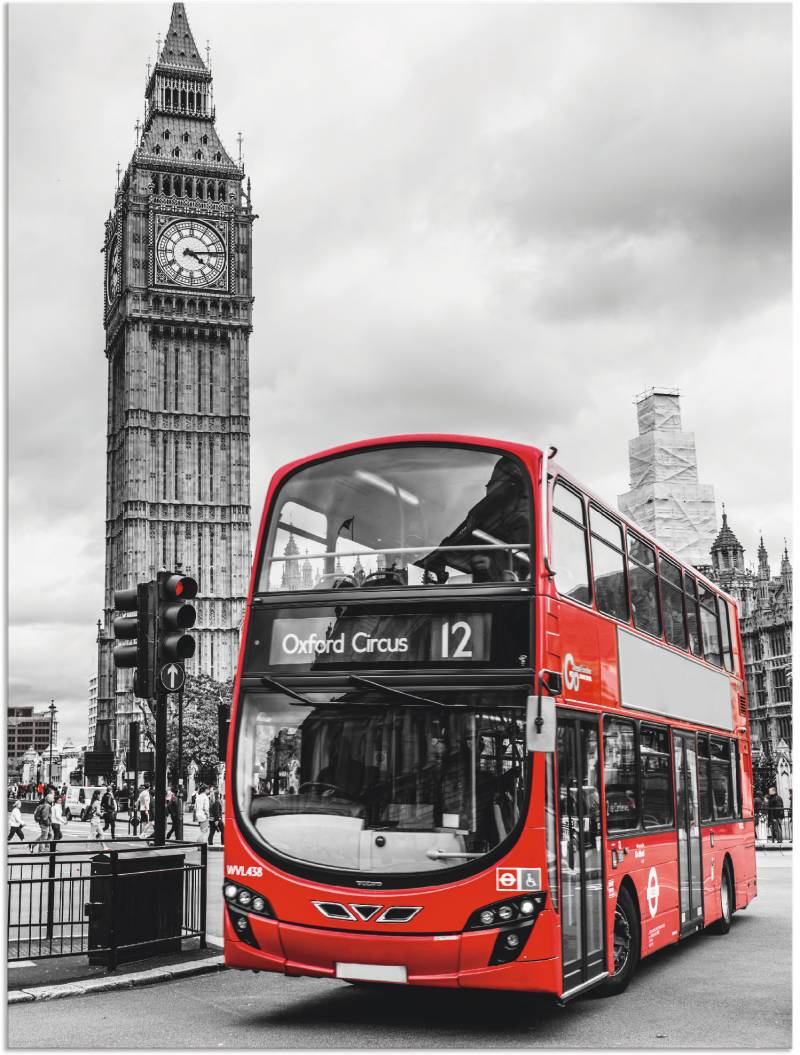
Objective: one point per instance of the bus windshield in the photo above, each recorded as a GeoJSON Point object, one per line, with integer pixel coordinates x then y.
{"type": "Point", "coordinates": [365, 782]}
{"type": "Point", "coordinates": [400, 516]}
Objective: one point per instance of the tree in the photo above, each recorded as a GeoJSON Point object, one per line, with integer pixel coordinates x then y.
{"type": "Point", "coordinates": [201, 697]}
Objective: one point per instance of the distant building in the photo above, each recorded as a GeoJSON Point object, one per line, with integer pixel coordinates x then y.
{"type": "Point", "coordinates": [765, 612]}
{"type": "Point", "coordinates": [92, 707]}
{"type": "Point", "coordinates": [665, 496]}
{"type": "Point", "coordinates": [28, 730]}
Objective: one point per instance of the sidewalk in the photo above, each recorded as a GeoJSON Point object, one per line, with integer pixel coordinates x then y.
{"type": "Point", "coordinates": [764, 844]}
{"type": "Point", "coordinates": [73, 976]}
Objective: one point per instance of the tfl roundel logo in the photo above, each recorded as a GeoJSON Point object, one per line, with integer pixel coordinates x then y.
{"type": "Point", "coordinates": [523, 879]}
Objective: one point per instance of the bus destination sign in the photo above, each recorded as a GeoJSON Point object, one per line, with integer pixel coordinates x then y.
{"type": "Point", "coordinates": [353, 636]}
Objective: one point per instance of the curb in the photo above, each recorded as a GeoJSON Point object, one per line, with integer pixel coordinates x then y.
{"type": "Point", "coordinates": [109, 983]}
{"type": "Point", "coordinates": [774, 847]}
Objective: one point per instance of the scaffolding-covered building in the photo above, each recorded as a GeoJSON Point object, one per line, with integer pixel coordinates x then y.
{"type": "Point", "coordinates": [666, 497]}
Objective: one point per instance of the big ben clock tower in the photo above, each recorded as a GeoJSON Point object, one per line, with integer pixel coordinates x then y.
{"type": "Point", "coordinates": [177, 316]}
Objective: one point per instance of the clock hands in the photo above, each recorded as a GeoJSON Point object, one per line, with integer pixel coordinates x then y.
{"type": "Point", "coordinates": [208, 252]}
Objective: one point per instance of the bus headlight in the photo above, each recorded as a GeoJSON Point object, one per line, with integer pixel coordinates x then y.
{"type": "Point", "coordinates": [508, 911]}
{"type": "Point", "coordinates": [248, 900]}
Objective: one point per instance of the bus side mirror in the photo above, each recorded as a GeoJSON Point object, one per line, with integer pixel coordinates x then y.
{"type": "Point", "coordinates": [541, 723]}
{"type": "Point", "coordinates": [551, 682]}
{"type": "Point", "coordinates": [223, 721]}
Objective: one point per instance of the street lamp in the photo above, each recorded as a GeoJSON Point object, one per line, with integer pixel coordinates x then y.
{"type": "Point", "coordinates": [52, 710]}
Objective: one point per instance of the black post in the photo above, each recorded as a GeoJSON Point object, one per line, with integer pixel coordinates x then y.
{"type": "Point", "coordinates": [179, 824]}
{"type": "Point", "coordinates": [203, 892]}
{"type": "Point", "coordinates": [51, 890]}
{"type": "Point", "coordinates": [52, 709]}
{"type": "Point", "coordinates": [112, 909]}
{"type": "Point", "coordinates": [159, 805]}
{"type": "Point", "coordinates": [133, 746]}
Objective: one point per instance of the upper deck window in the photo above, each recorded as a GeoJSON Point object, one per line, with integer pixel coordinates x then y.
{"type": "Point", "coordinates": [570, 554]}
{"type": "Point", "coordinates": [709, 624]}
{"type": "Point", "coordinates": [672, 602]}
{"type": "Point", "coordinates": [608, 563]}
{"type": "Point", "coordinates": [400, 516]}
{"type": "Point", "coordinates": [644, 586]}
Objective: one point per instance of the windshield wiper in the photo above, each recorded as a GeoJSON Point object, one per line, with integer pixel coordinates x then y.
{"type": "Point", "coordinates": [359, 680]}
{"type": "Point", "coordinates": [272, 683]}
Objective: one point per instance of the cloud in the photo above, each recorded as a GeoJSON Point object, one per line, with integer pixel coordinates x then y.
{"type": "Point", "coordinates": [492, 219]}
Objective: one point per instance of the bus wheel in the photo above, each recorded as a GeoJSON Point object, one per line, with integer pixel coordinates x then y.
{"type": "Point", "coordinates": [723, 924]}
{"type": "Point", "coordinates": [627, 944]}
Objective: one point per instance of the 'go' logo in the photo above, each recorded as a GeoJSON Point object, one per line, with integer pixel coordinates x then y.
{"type": "Point", "coordinates": [574, 673]}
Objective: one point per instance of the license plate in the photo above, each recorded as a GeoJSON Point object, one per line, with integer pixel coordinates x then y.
{"type": "Point", "coordinates": [371, 972]}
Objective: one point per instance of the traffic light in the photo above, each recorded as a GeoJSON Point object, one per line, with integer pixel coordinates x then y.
{"type": "Point", "coordinates": [175, 617]}
{"type": "Point", "coordinates": [140, 630]}
{"type": "Point", "coordinates": [223, 723]}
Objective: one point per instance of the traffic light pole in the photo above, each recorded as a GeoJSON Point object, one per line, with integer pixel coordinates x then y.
{"type": "Point", "coordinates": [179, 828]}
{"type": "Point", "coordinates": [160, 796]}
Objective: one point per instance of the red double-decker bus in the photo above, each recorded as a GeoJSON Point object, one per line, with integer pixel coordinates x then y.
{"type": "Point", "coordinates": [485, 733]}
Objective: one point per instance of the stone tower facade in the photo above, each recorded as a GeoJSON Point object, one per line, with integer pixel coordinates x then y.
{"type": "Point", "coordinates": [666, 497]}
{"type": "Point", "coordinates": [178, 310]}
{"type": "Point", "coordinates": [765, 620]}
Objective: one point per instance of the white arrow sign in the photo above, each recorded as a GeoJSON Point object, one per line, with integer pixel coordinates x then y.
{"type": "Point", "coordinates": [173, 677]}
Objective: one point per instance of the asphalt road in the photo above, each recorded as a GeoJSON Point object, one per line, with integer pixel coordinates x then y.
{"type": "Point", "coordinates": [731, 991]}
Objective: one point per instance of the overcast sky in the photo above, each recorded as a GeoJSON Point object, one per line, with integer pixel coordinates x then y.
{"type": "Point", "coordinates": [503, 220]}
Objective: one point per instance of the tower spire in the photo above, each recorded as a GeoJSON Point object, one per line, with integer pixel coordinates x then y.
{"type": "Point", "coordinates": [179, 46]}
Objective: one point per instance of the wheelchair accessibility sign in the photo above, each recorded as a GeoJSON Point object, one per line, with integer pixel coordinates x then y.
{"type": "Point", "coordinates": [518, 879]}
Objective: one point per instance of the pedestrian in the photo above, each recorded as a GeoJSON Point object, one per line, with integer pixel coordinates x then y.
{"type": "Point", "coordinates": [57, 819]}
{"type": "Point", "coordinates": [108, 807]}
{"type": "Point", "coordinates": [143, 808]}
{"type": "Point", "coordinates": [173, 812]}
{"type": "Point", "coordinates": [774, 806]}
{"type": "Point", "coordinates": [201, 813]}
{"type": "Point", "coordinates": [94, 816]}
{"type": "Point", "coordinates": [43, 815]}
{"type": "Point", "coordinates": [15, 822]}
{"type": "Point", "coordinates": [216, 814]}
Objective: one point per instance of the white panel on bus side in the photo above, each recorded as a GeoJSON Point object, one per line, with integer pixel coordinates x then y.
{"type": "Point", "coordinates": [651, 678]}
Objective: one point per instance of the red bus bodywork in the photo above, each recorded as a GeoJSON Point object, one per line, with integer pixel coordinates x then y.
{"type": "Point", "coordinates": [434, 947]}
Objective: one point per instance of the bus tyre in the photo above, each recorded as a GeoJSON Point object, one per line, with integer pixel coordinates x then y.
{"type": "Point", "coordinates": [627, 944]}
{"type": "Point", "coordinates": [726, 896]}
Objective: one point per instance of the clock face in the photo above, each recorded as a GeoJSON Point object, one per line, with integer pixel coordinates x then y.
{"type": "Point", "coordinates": [113, 269]}
{"type": "Point", "coordinates": [191, 253]}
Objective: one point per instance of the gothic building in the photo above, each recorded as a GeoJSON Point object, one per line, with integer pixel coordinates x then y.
{"type": "Point", "coordinates": [765, 613]}
{"type": "Point", "coordinates": [177, 316]}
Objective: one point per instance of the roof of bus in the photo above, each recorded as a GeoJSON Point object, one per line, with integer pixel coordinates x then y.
{"type": "Point", "coordinates": [511, 445]}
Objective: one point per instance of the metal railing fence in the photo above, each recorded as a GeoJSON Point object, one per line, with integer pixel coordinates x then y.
{"type": "Point", "coordinates": [774, 825]}
{"type": "Point", "coordinates": [109, 902]}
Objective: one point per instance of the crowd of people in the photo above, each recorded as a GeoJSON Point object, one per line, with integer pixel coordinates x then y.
{"type": "Point", "coordinates": [103, 809]}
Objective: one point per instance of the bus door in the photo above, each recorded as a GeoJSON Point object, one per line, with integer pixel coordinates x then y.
{"type": "Point", "coordinates": [582, 902]}
{"type": "Point", "coordinates": [690, 865]}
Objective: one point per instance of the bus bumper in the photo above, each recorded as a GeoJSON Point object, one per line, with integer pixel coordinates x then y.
{"type": "Point", "coordinates": [448, 960]}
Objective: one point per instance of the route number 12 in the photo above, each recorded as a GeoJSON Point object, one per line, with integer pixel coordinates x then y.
{"type": "Point", "coordinates": [457, 634]}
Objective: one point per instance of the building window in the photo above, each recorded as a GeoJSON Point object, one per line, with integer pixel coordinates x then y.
{"type": "Point", "coordinates": [185, 137]}
{"type": "Point", "coordinates": [783, 692]}
{"type": "Point", "coordinates": [166, 133]}
{"type": "Point", "coordinates": [777, 642]}
{"type": "Point", "coordinates": [218, 156]}
{"type": "Point", "coordinates": [570, 556]}
{"type": "Point", "coordinates": [176, 153]}
{"type": "Point", "coordinates": [198, 155]}
{"type": "Point", "coordinates": [204, 141]}
{"type": "Point", "coordinates": [608, 565]}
